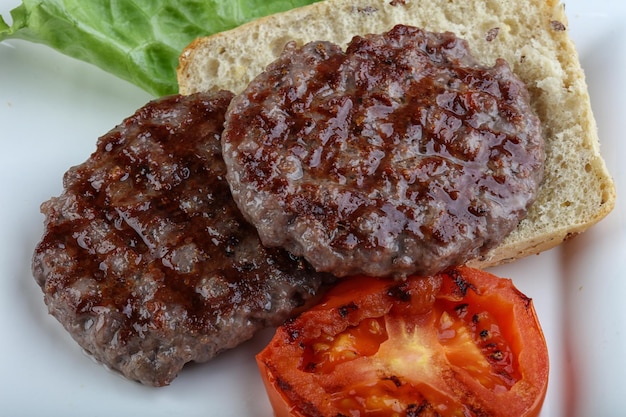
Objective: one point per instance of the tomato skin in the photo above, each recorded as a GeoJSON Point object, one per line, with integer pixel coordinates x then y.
{"type": "Point", "coordinates": [463, 342]}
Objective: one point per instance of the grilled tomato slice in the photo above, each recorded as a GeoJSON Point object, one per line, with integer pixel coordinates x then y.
{"type": "Point", "coordinates": [461, 343]}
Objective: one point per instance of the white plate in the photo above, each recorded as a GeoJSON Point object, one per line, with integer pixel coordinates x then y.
{"type": "Point", "coordinates": [52, 109]}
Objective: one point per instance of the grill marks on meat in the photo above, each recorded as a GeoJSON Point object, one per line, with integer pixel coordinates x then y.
{"type": "Point", "coordinates": [401, 155]}
{"type": "Point", "coordinates": [147, 261]}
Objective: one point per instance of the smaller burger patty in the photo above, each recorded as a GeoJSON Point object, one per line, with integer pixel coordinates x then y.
{"type": "Point", "coordinates": [146, 260]}
{"type": "Point", "coordinates": [400, 155]}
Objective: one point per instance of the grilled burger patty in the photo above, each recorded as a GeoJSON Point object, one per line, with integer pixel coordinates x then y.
{"type": "Point", "coordinates": [400, 155]}
{"type": "Point", "coordinates": [146, 260]}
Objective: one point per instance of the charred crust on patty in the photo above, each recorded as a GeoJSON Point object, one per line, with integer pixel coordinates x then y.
{"type": "Point", "coordinates": [145, 258]}
{"type": "Point", "coordinates": [401, 155]}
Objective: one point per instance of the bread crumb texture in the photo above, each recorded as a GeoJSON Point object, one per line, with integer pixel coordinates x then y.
{"type": "Point", "coordinates": [531, 35]}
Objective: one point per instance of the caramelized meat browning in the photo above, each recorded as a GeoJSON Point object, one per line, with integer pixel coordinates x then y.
{"type": "Point", "coordinates": [147, 261]}
{"type": "Point", "coordinates": [400, 155]}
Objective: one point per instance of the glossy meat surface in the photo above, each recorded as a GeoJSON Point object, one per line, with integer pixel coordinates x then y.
{"type": "Point", "coordinates": [147, 261]}
{"type": "Point", "coordinates": [400, 155]}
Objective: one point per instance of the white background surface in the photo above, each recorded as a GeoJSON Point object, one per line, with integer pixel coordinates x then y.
{"type": "Point", "coordinates": [53, 108]}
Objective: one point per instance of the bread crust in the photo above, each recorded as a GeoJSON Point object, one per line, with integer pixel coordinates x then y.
{"type": "Point", "coordinates": [531, 35]}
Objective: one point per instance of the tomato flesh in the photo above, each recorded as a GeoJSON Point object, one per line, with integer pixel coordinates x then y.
{"type": "Point", "coordinates": [461, 343]}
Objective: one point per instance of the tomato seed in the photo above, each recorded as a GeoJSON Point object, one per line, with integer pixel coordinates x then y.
{"type": "Point", "coordinates": [497, 355]}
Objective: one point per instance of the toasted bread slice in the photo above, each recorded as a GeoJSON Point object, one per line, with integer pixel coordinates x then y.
{"type": "Point", "coordinates": [531, 35]}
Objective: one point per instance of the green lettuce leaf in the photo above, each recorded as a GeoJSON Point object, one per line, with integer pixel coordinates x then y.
{"type": "Point", "coordinates": [137, 40]}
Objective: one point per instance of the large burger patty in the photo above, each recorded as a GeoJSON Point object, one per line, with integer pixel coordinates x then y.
{"type": "Point", "coordinates": [146, 260]}
{"type": "Point", "coordinates": [400, 155]}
